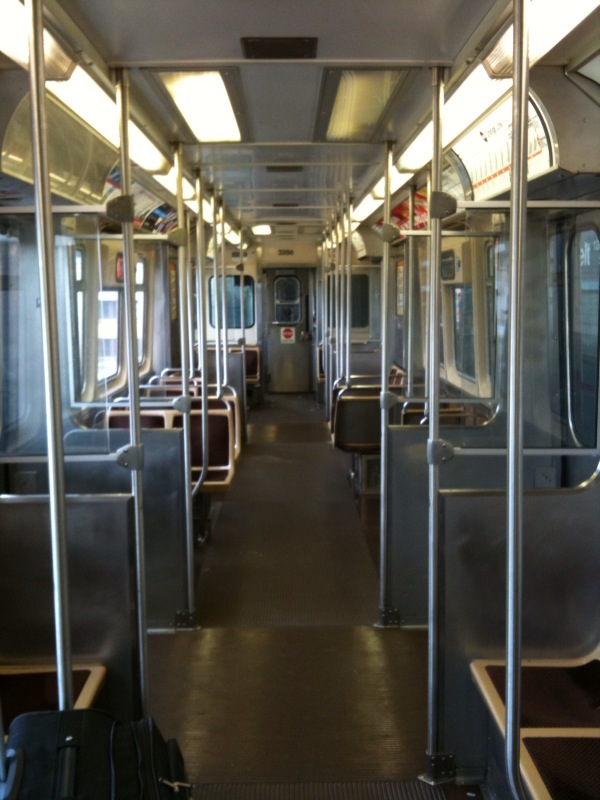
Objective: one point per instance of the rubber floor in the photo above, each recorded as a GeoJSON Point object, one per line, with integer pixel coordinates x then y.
{"type": "Point", "coordinates": [288, 689]}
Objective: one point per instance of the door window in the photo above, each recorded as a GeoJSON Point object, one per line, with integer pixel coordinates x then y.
{"type": "Point", "coordinates": [287, 307]}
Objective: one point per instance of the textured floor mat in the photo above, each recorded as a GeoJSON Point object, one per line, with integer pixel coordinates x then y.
{"type": "Point", "coordinates": [319, 791]}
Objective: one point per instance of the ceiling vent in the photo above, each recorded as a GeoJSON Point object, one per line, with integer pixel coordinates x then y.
{"type": "Point", "coordinates": [279, 47]}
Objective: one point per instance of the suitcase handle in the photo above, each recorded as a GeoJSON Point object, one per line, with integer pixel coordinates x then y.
{"type": "Point", "coordinates": [67, 767]}
{"type": "Point", "coordinates": [176, 786]}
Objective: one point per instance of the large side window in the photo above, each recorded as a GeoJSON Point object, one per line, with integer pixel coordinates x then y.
{"type": "Point", "coordinates": [584, 318]}
{"type": "Point", "coordinates": [140, 306]}
{"type": "Point", "coordinates": [109, 305]}
{"type": "Point", "coordinates": [233, 285]}
{"type": "Point", "coordinates": [78, 310]}
{"type": "Point", "coordinates": [361, 301]}
{"type": "Point", "coordinates": [464, 333]}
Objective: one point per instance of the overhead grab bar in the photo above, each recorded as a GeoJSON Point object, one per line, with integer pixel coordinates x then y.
{"type": "Point", "coordinates": [514, 533]}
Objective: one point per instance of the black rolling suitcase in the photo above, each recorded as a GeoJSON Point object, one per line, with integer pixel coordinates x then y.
{"type": "Point", "coordinates": [86, 755]}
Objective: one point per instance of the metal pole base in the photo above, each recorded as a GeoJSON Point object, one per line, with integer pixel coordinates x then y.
{"type": "Point", "coordinates": [9, 789]}
{"type": "Point", "coordinates": [185, 620]}
{"type": "Point", "coordinates": [441, 768]}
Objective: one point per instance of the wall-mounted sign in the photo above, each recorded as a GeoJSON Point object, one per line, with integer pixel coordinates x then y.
{"type": "Point", "coordinates": [287, 335]}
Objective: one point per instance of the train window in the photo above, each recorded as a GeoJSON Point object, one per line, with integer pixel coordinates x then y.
{"type": "Point", "coordinates": [490, 299]}
{"type": "Point", "coordinates": [464, 333]}
{"type": "Point", "coordinates": [109, 304]}
{"type": "Point", "coordinates": [584, 318]}
{"type": "Point", "coordinates": [234, 301]}
{"type": "Point", "coordinates": [361, 301]}
{"type": "Point", "coordinates": [287, 306]}
{"type": "Point", "coordinates": [79, 327]}
{"type": "Point", "coordinates": [140, 305]}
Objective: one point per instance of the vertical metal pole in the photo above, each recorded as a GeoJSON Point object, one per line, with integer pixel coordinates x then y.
{"type": "Point", "coordinates": [515, 426]}
{"type": "Point", "coordinates": [243, 330]}
{"type": "Point", "coordinates": [327, 317]}
{"type": "Point", "coordinates": [349, 292]}
{"type": "Point", "coordinates": [188, 617]}
{"type": "Point", "coordinates": [201, 315]}
{"type": "Point", "coordinates": [436, 769]}
{"type": "Point", "coordinates": [410, 268]}
{"type": "Point", "coordinates": [321, 323]}
{"type": "Point", "coordinates": [217, 312]}
{"type": "Point", "coordinates": [190, 297]}
{"type": "Point", "coordinates": [135, 433]}
{"type": "Point", "coordinates": [336, 257]}
{"type": "Point", "coordinates": [45, 249]}
{"type": "Point", "coordinates": [385, 368]}
{"type": "Point", "coordinates": [343, 309]}
{"type": "Point", "coordinates": [3, 762]}
{"type": "Point", "coordinates": [224, 298]}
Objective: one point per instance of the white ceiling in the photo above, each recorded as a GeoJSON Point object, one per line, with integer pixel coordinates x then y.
{"type": "Point", "coordinates": [280, 100]}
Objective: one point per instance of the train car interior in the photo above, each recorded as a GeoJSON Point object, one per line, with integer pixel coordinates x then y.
{"type": "Point", "coordinates": [300, 385]}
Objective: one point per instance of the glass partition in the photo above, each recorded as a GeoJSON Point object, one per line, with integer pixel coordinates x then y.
{"type": "Point", "coordinates": [89, 277]}
{"type": "Point", "coordinates": [561, 322]}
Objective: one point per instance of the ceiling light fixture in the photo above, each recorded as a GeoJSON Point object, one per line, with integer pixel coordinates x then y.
{"type": "Point", "coordinates": [549, 22]}
{"type": "Point", "coordinates": [261, 230]}
{"type": "Point", "coordinates": [14, 43]}
{"type": "Point", "coordinates": [89, 101]}
{"type": "Point", "coordinates": [360, 100]}
{"type": "Point", "coordinates": [203, 101]}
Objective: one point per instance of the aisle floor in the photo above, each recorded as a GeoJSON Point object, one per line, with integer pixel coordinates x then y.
{"type": "Point", "coordinates": [288, 679]}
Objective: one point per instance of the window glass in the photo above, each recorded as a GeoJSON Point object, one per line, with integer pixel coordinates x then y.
{"type": "Point", "coordinates": [234, 301]}
{"type": "Point", "coordinates": [287, 300]}
{"type": "Point", "coordinates": [360, 301]}
{"type": "Point", "coordinates": [79, 328]}
{"type": "Point", "coordinates": [584, 259]}
{"type": "Point", "coordinates": [490, 299]}
{"type": "Point", "coordinates": [464, 334]}
{"type": "Point", "coordinates": [140, 305]}
{"type": "Point", "coordinates": [108, 333]}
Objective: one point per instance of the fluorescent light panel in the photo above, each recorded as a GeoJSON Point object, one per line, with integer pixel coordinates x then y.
{"type": "Point", "coordinates": [74, 87]}
{"type": "Point", "coordinates": [202, 99]}
{"type": "Point", "coordinates": [473, 98]}
{"type": "Point", "coordinates": [361, 98]}
{"type": "Point", "coordinates": [261, 230]}
{"type": "Point", "coordinates": [373, 201]}
{"type": "Point", "coordinates": [89, 101]}
{"type": "Point", "coordinates": [549, 22]}
{"type": "Point", "coordinates": [14, 42]}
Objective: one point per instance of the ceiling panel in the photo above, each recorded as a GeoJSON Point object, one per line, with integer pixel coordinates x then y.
{"type": "Point", "coordinates": [152, 31]}
{"type": "Point", "coordinates": [280, 101]}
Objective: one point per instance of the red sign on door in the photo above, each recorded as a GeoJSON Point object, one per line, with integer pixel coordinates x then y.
{"type": "Point", "coordinates": [288, 335]}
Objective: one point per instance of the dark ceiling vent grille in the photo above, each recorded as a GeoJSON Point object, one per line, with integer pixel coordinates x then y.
{"type": "Point", "coordinates": [286, 205]}
{"type": "Point", "coordinates": [279, 47]}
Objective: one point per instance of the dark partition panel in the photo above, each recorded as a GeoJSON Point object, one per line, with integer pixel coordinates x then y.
{"type": "Point", "coordinates": [102, 590]}
{"type": "Point", "coordinates": [561, 592]}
